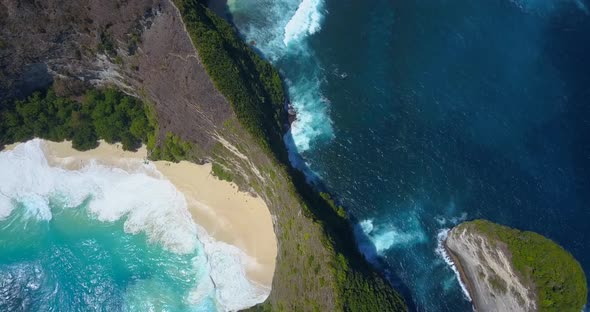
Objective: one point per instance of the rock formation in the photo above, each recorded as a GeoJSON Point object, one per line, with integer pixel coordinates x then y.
{"type": "Point", "coordinates": [508, 270]}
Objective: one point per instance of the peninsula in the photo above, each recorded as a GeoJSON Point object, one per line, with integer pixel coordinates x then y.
{"type": "Point", "coordinates": [509, 270]}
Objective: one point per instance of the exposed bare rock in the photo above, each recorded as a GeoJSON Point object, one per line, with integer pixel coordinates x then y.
{"type": "Point", "coordinates": [140, 46]}
{"type": "Point", "coordinates": [486, 269]}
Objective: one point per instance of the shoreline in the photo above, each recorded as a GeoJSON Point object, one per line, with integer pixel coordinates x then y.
{"type": "Point", "coordinates": [463, 279]}
{"type": "Point", "coordinates": [224, 213]}
{"type": "Point", "coordinates": [453, 262]}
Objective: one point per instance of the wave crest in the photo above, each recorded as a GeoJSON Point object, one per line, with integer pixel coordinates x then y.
{"type": "Point", "coordinates": [307, 20]}
{"type": "Point", "coordinates": [376, 240]}
{"type": "Point", "coordinates": [148, 204]}
{"type": "Point", "coordinates": [279, 29]}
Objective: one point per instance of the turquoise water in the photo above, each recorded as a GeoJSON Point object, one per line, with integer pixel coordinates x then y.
{"type": "Point", "coordinates": [107, 239]}
{"type": "Point", "coordinates": [74, 261]}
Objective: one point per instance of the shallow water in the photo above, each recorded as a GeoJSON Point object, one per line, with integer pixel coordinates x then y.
{"type": "Point", "coordinates": [421, 114]}
{"type": "Point", "coordinates": [106, 239]}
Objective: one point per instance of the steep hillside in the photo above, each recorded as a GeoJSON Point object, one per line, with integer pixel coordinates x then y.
{"type": "Point", "coordinates": [222, 99]}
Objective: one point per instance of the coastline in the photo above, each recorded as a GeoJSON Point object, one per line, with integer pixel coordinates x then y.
{"type": "Point", "coordinates": [462, 276]}
{"type": "Point", "coordinates": [226, 214]}
{"type": "Point", "coordinates": [485, 269]}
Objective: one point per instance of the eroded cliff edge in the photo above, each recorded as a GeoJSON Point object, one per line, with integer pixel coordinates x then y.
{"type": "Point", "coordinates": [508, 270]}
{"type": "Point", "coordinates": [166, 53]}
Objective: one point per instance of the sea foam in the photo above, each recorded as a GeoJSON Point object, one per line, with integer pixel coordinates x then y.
{"type": "Point", "coordinates": [375, 240]}
{"type": "Point", "coordinates": [148, 204]}
{"type": "Point", "coordinates": [312, 122]}
{"type": "Point", "coordinates": [151, 205]}
{"type": "Point", "coordinates": [441, 251]}
{"type": "Point", "coordinates": [306, 21]}
{"type": "Point", "coordinates": [227, 265]}
{"type": "Point", "coordinates": [280, 30]}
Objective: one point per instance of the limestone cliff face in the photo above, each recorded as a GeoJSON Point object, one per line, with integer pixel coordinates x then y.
{"type": "Point", "coordinates": [486, 270]}
{"type": "Point", "coordinates": [140, 46]}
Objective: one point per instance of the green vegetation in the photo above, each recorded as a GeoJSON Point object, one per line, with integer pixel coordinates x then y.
{"type": "Point", "coordinates": [359, 287]}
{"type": "Point", "coordinates": [102, 114]}
{"type": "Point", "coordinates": [337, 277]}
{"type": "Point", "coordinates": [106, 44]}
{"type": "Point", "coordinates": [252, 86]}
{"type": "Point", "coordinates": [220, 172]}
{"type": "Point", "coordinates": [558, 278]}
{"type": "Point", "coordinates": [134, 40]}
{"type": "Point", "coordinates": [172, 149]}
{"type": "Point", "coordinates": [497, 284]}
{"type": "Point", "coordinates": [338, 209]}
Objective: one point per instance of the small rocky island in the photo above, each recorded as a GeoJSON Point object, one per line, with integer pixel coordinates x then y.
{"type": "Point", "coordinates": [505, 269]}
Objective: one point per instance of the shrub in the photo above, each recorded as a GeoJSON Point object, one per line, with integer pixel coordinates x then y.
{"type": "Point", "coordinates": [103, 114]}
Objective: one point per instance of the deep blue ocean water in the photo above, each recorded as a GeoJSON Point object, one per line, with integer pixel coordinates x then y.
{"type": "Point", "coordinates": [420, 114]}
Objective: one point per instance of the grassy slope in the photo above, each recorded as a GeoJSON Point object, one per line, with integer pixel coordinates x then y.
{"type": "Point", "coordinates": [318, 267]}
{"type": "Point", "coordinates": [559, 279]}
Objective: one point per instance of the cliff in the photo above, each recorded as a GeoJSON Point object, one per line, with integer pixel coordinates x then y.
{"type": "Point", "coordinates": [209, 89]}
{"type": "Point", "coordinates": [509, 270]}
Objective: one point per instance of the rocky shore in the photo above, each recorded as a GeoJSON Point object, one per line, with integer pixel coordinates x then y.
{"type": "Point", "coordinates": [486, 270]}
{"type": "Point", "coordinates": [505, 269]}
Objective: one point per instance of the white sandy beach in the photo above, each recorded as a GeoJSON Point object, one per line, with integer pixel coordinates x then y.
{"type": "Point", "coordinates": [229, 216]}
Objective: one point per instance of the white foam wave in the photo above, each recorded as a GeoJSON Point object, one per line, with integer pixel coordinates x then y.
{"type": "Point", "coordinates": [306, 21]}
{"type": "Point", "coordinates": [227, 264]}
{"type": "Point", "coordinates": [279, 29]}
{"type": "Point", "coordinates": [263, 22]}
{"type": "Point", "coordinates": [442, 221]}
{"type": "Point", "coordinates": [441, 251]}
{"type": "Point", "coordinates": [149, 204]}
{"type": "Point", "coordinates": [388, 237]}
{"type": "Point", "coordinates": [312, 123]}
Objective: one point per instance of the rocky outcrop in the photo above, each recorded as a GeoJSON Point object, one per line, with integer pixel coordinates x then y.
{"type": "Point", "coordinates": [486, 270]}
{"type": "Point", "coordinates": [505, 269]}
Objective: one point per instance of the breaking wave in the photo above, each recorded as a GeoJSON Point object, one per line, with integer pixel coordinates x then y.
{"type": "Point", "coordinates": [388, 237]}
{"type": "Point", "coordinates": [280, 31]}
{"type": "Point", "coordinates": [375, 240]}
{"type": "Point", "coordinates": [441, 251]}
{"type": "Point", "coordinates": [307, 20]}
{"type": "Point", "coordinates": [34, 194]}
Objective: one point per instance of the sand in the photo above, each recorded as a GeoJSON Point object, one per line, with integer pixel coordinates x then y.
{"type": "Point", "coordinates": [230, 216]}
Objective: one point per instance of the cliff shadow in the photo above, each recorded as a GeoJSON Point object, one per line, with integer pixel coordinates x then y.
{"type": "Point", "coordinates": [221, 8]}
{"type": "Point", "coordinates": [369, 251]}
